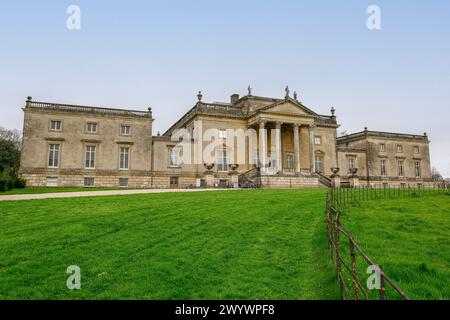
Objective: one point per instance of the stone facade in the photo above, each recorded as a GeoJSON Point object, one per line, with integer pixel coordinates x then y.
{"type": "Point", "coordinates": [286, 143]}
{"type": "Point", "coordinates": [386, 159]}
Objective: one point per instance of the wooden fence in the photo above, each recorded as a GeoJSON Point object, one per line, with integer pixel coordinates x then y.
{"type": "Point", "coordinates": [344, 251]}
{"type": "Point", "coordinates": [351, 285]}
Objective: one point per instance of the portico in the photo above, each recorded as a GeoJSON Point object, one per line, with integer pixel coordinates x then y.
{"type": "Point", "coordinates": [281, 144]}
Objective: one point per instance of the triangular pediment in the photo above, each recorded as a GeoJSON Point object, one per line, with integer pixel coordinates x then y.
{"type": "Point", "coordinates": [288, 106]}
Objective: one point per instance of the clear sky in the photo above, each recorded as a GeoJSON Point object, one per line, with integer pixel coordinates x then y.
{"type": "Point", "coordinates": [136, 54]}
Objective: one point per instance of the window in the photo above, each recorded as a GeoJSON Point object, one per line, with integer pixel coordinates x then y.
{"type": "Point", "coordinates": [88, 182]}
{"type": "Point", "coordinates": [52, 181]}
{"type": "Point", "coordinates": [318, 161]}
{"type": "Point", "coordinates": [222, 134]}
{"type": "Point", "coordinates": [317, 140]}
{"type": "Point", "coordinates": [401, 171]}
{"type": "Point", "coordinates": [416, 150]}
{"type": "Point", "coordinates": [90, 157]}
{"type": "Point", "coordinates": [174, 154]}
{"type": "Point", "coordinates": [174, 182]}
{"type": "Point", "coordinates": [222, 160]}
{"type": "Point", "coordinates": [124, 158]}
{"type": "Point", "coordinates": [382, 147]}
{"type": "Point", "coordinates": [55, 125]}
{"type": "Point", "coordinates": [351, 163]}
{"type": "Point", "coordinates": [53, 156]}
{"type": "Point", "coordinates": [123, 182]}
{"type": "Point", "coordinates": [289, 162]}
{"type": "Point", "coordinates": [91, 127]}
{"type": "Point", "coordinates": [383, 168]}
{"type": "Point", "coordinates": [125, 130]}
{"type": "Point", "coordinates": [399, 148]}
{"type": "Point", "coordinates": [417, 169]}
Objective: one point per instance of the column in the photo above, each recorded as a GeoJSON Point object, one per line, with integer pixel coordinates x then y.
{"type": "Point", "coordinates": [262, 146]}
{"type": "Point", "coordinates": [296, 148]}
{"type": "Point", "coordinates": [311, 148]}
{"type": "Point", "coordinates": [279, 167]}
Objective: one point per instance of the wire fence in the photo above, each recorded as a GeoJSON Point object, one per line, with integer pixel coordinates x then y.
{"type": "Point", "coordinates": [345, 196]}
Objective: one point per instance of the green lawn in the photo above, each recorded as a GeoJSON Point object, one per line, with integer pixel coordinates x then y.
{"type": "Point", "coordinates": [410, 237]}
{"type": "Point", "coordinates": [244, 244]}
{"type": "Point", "coordinates": [53, 190]}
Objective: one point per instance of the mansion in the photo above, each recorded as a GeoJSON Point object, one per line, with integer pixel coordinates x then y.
{"type": "Point", "coordinates": [250, 141]}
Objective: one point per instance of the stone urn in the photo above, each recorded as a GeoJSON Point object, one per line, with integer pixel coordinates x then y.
{"type": "Point", "coordinates": [233, 168]}
{"type": "Point", "coordinates": [353, 172]}
{"type": "Point", "coordinates": [335, 172]}
{"type": "Point", "coordinates": [209, 167]}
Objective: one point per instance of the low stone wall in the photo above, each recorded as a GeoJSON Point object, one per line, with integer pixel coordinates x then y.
{"type": "Point", "coordinates": [77, 181]}
{"type": "Point", "coordinates": [293, 182]}
{"type": "Point", "coordinates": [134, 182]}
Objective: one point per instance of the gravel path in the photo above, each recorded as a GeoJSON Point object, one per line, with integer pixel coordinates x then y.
{"type": "Point", "coordinates": [18, 197]}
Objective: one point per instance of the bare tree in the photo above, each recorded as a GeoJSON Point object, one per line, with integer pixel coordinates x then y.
{"type": "Point", "coordinates": [435, 174]}
{"type": "Point", "coordinates": [14, 136]}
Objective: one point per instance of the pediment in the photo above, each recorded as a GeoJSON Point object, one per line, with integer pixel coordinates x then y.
{"type": "Point", "coordinates": [290, 107]}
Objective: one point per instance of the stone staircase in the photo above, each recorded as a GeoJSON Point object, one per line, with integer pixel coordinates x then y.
{"type": "Point", "coordinates": [324, 181]}
{"type": "Point", "coordinates": [250, 179]}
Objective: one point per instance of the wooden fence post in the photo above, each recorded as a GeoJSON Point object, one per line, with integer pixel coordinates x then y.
{"type": "Point", "coordinates": [338, 261]}
{"type": "Point", "coordinates": [354, 271]}
{"type": "Point", "coordinates": [382, 285]}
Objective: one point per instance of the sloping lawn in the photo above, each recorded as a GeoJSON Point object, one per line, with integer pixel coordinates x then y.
{"type": "Point", "coordinates": [243, 244]}
{"type": "Point", "coordinates": [53, 190]}
{"type": "Point", "coordinates": [410, 237]}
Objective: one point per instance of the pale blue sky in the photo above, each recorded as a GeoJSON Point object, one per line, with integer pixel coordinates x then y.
{"type": "Point", "coordinates": [135, 54]}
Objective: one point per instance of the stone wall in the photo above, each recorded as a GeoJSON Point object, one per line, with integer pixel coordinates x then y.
{"type": "Point", "coordinates": [287, 182]}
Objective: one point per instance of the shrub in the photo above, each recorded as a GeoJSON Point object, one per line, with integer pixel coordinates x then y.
{"type": "Point", "coordinates": [3, 186]}
{"type": "Point", "coordinates": [8, 181]}
{"type": "Point", "coordinates": [20, 183]}
{"type": "Point", "coordinates": [5, 181]}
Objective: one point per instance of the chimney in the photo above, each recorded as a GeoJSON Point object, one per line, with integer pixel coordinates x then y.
{"type": "Point", "coordinates": [234, 98]}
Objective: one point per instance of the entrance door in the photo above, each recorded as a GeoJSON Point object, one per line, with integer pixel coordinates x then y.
{"type": "Point", "coordinates": [173, 182]}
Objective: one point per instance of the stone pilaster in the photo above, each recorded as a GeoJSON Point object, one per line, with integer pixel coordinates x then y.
{"type": "Point", "coordinates": [278, 147]}
{"type": "Point", "coordinates": [311, 148]}
{"type": "Point", "coordinates": [262, 146]}
{"type": "Point", "coordinates": [295, 127]}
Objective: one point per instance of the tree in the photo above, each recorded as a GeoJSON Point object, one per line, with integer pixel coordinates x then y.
{"type": "Point", "coordinates": [435, 174]}
{"type": "Point", "coordinates": [13, 135]}
{"type": "Point", "coordinates": [10, 145]}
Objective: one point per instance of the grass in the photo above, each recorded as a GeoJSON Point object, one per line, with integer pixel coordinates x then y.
{"type": "Point", "coordinates": [53, 190]}
{"type": "Point", "coordinates": [410, 238]}
{"type": "Point", "coordinates": [244, 244]}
